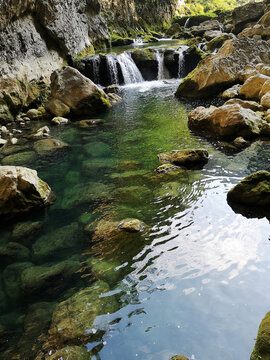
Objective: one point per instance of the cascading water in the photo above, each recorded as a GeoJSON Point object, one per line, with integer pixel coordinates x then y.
{"type": "Point", "coordinates": [181, 62]}
{"type": "Point", "coordinates": [130, 71]}
{"type": "Point", "coordinates": [162, 71]}
{"type": "Point", "coordinates": [112, 68]}
{"type": "Point", "coordinates": [96, 64]}
{"type": "Point", "coordinates": [137, 42]}
{"type": "Point", "coordinates": [187, 23]}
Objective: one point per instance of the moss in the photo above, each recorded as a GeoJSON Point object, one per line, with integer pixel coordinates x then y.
{"type": "Point", "coordinates": [85, 52]}
{"type": "Point", "coordinates": [188, 85]}
{"type": "Point", "coordinates": [142, 55]}
{"type": "Point", "coordinates": [261, 350]}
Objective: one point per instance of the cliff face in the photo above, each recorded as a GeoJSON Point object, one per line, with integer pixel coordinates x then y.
{"type": "Point", "coordinates": [131, 12]}
{"type": "Point", "coordinates": [36, 36]}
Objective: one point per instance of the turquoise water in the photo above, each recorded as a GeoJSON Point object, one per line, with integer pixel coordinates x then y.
{"type": "Point", "coordinates": [195, 282]}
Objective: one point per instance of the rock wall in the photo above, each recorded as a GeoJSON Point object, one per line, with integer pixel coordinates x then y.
{"type": "Point", "coordinates": [36, 36]}
{"type": "Point", "coordinates": [133, 12]}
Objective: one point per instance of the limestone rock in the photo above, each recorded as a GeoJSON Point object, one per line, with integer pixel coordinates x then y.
{"type": "Point", "coordinates": [225, 121]}
{"type": "Point", "coordinates": [57, 107]}
{"type": "Point", "coordinates": [231, 92]}
{"type": "Point", "coordinates": [265, 100]}
{"type": "Point", "coordinates": [78, 92]}
{"type": "Point", "coordinates": [245, 14]}
{"type": "Point", "coordinates": [208, 25]}
{"type": "Point", "coordinates": [21, 190]}
{"type": "Point", "coordinates": [253, 191]}
{"type": "Point", "coordinates": [73, 319]}
{"type": "Point", "coordinates": [221, 70]}
{"type": "Point", "coordinates": [50, 147]}
{"type": "Point", "coordinates": [246, 104]}
{"type": "Point", "coordinates": [184, 157]}
{"type": "Point", "coordinates": [59, 120]}
{"type": "Point", "coordinates": [262, 345]}
{"type": "Point", "coordinates": [131, 225]}
{"type": "Point", "coordinates": [252, 86]}
{"type": "Point", "coordinates": [70, 353]}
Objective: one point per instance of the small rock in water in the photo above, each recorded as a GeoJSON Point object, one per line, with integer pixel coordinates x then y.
{"type": "Point", "coordinates": [166, 168]}
{"type": "Point", "coordinates": [42, 132]}
{"type": "Point", "coordinates": [58, 120]}
{"type": "Point", "coordinates": [4, 130]}
{"type": "Point", "coordinates": [131, 225]}
{"type": "Point", "coordinates": [185, 158]}
{"type": "Point", "coordinates": [14, 141]}
{"type": "Point", "coordinates": [112, 89]}
{"type": "Point", "coordinates": [2, 142]}
{"type": "Point", "coordinates": [89, 123]}
{"type": "Point", "coordinates": [241, 143]}
{"type": "Point", "coordinates": [33, 114]}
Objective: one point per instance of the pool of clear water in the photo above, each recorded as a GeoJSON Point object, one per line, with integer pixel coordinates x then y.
{"type": "Point", "coordinates": [196, 283]}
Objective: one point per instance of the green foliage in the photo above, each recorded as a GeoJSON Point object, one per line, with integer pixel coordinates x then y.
{"type": "Point", "coordinates": [209, 7]}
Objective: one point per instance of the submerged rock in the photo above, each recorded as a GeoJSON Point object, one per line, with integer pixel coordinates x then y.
{"type": "Point", "coordinates": [70, 353]}
{"type": "Point", "coordinates": [50, 147]}
{"type": "Point", "coordinates": [26, 232]}
{"type": "Point", "coordinates": [21, 190]}
{"type": "Point", "coordinates": [57, 243]}
{"type": "Point", "coordinates": [131, 225]}
{"type": "Point", "coordinates": [253, 193]}
{"type": "Point", "coordinates": [89, 123]}
{"type": "Point", "coordinates": [261, 350]}
{"type": "Point", "coordinates": [73, 319]}
{"type": "Point", "coordinates": [40, 280]}
{"type": "Point", "coordinates": [76, 91]}
{"type": "Point", "coordinates": [13, 252]}
{"type": "Point", "coordinates": [20, 159]}
{"type": "Point", "coordinates": [185, 158]}
{"type": "Point", "coordinates": [166, 168]}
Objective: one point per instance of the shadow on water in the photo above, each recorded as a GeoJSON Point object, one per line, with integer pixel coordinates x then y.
{"type": "Point", "coordinates": [70, 277]}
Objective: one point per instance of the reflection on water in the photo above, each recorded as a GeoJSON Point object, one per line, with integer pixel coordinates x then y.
{"type": "Point", "coordinates": [194, 282]}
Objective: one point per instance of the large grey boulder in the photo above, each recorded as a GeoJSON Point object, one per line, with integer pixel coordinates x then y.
{"type": "Point", "coordinates": [76, 91]}
{"type": "Point", "coordinates": [21, 190]}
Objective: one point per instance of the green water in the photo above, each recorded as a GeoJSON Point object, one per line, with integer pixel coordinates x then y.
{"type": "Point", "coordinates": [194, 282]}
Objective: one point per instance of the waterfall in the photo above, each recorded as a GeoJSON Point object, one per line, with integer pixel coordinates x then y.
{"type": "Point", "coordinates": [96, 64]}
{"type": "Point", "coordinates": [137, 42]}
{"type": "Point", "coordinates": [163, 72]}
{"type": "Point", "coordinates": [112, 68]}
{"type": "Point", "coordinates": [131, 73]}
{"type": "Point", "coordinates": [187, 23]}
{"type": "Point", "coordinates": [181, 62]}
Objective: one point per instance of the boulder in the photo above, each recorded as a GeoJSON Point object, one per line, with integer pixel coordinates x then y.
{"type": "Point", "coordinates": [40, 280]}
{"type": "Point", "coordinates": [253, 191]}
{"type": "Point", "coordinates": [131, 225]}
{"type": "Point", "coordinates": [246, 104]}
{"type": "Point", "coordinates": [21, 190]}
{"type": "Point", "coordinates": [225, 121]}
{"type": "Point", "coordinates": [231, 92]}
{"type": "Point", "coordinates": [252, 87]}
{"type": "Point", "coordinates": [208, 25]}
{"type": "Point", "coordinates": [242, 15]}
{"type": "Point", "coordinates": [50, 147]}
{"type": "Point", "coordinates": [218, 41]}
{"type": "Point", "coordinates": [257, 32]}
{"type": "Point", "coordinates": [217, 72]}
{"type": "Point", "coordinates": [57, 107]}
{"type": "Point", "coordinates": [212, 34]}
{"type": "Point", "coordinates": [73, 319]}
{"type": "Point", "coordinates": [146, 61]}
{"type": "Point", "coordinates": [265, 100]}
{"type": "Point", "coordinates": [262, 346]}
{"type": "Point", "coordinates": [69, 353]}
{"type": "Point", "coordinates": [184, 158]}
{"type": "Point", "coordinates": [76, 91]}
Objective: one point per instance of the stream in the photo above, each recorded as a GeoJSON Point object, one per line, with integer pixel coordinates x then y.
{"type": "Point", "coordinates": [195, 282]}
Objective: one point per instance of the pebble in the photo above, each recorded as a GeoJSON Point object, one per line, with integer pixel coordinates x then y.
{"type": "Point", "coordinates": [14, 141]}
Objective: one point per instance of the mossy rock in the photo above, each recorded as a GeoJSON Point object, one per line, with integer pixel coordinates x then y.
{"type": "Point", "coordinates": [13, 149]}
{"type": "Point", "coordinates": [97, 165]}
{"type": "Point", "coordinates": [57, 243]}
{"type": "Point", "coordinates": [179, 357]}
{"type": "Point", "coordinates": [261, 350]}
{"type": "Point", "coordinates": [145, 59]}
{"type": "Point", "coordinates": [186, 158]}
{"type": "Point", "coordinates": [13, 252]}
{"type": "Point", "coordinates": [73, 320]}
{"type": "Point", "coordinates": [106, 270]}
{"type": "Point", "coordinates": [132, 194]}
{"type": "Point", "coordinates": [25, 233]}
{"type": "Point", "coordinates": [169, 190]}
{"type": "Point", "coordinates": [70, 353]}
{"type": "Point", "coordinates": [12, 280]}
{"type": "Point", "coordinates": [49, 280]}
{"type": "Point", "coordinates": [50, 147]}
{"type": "Point", "coordinates": [252, 191]}
{"type": "Point", "coordinates": [85, 194]}
{"type": "Point", "coordinates": [19, 159]}
{"type": "Point", "coordinates": [129, 165]}
{"type": "Point", "coordinates": [97, 149]}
